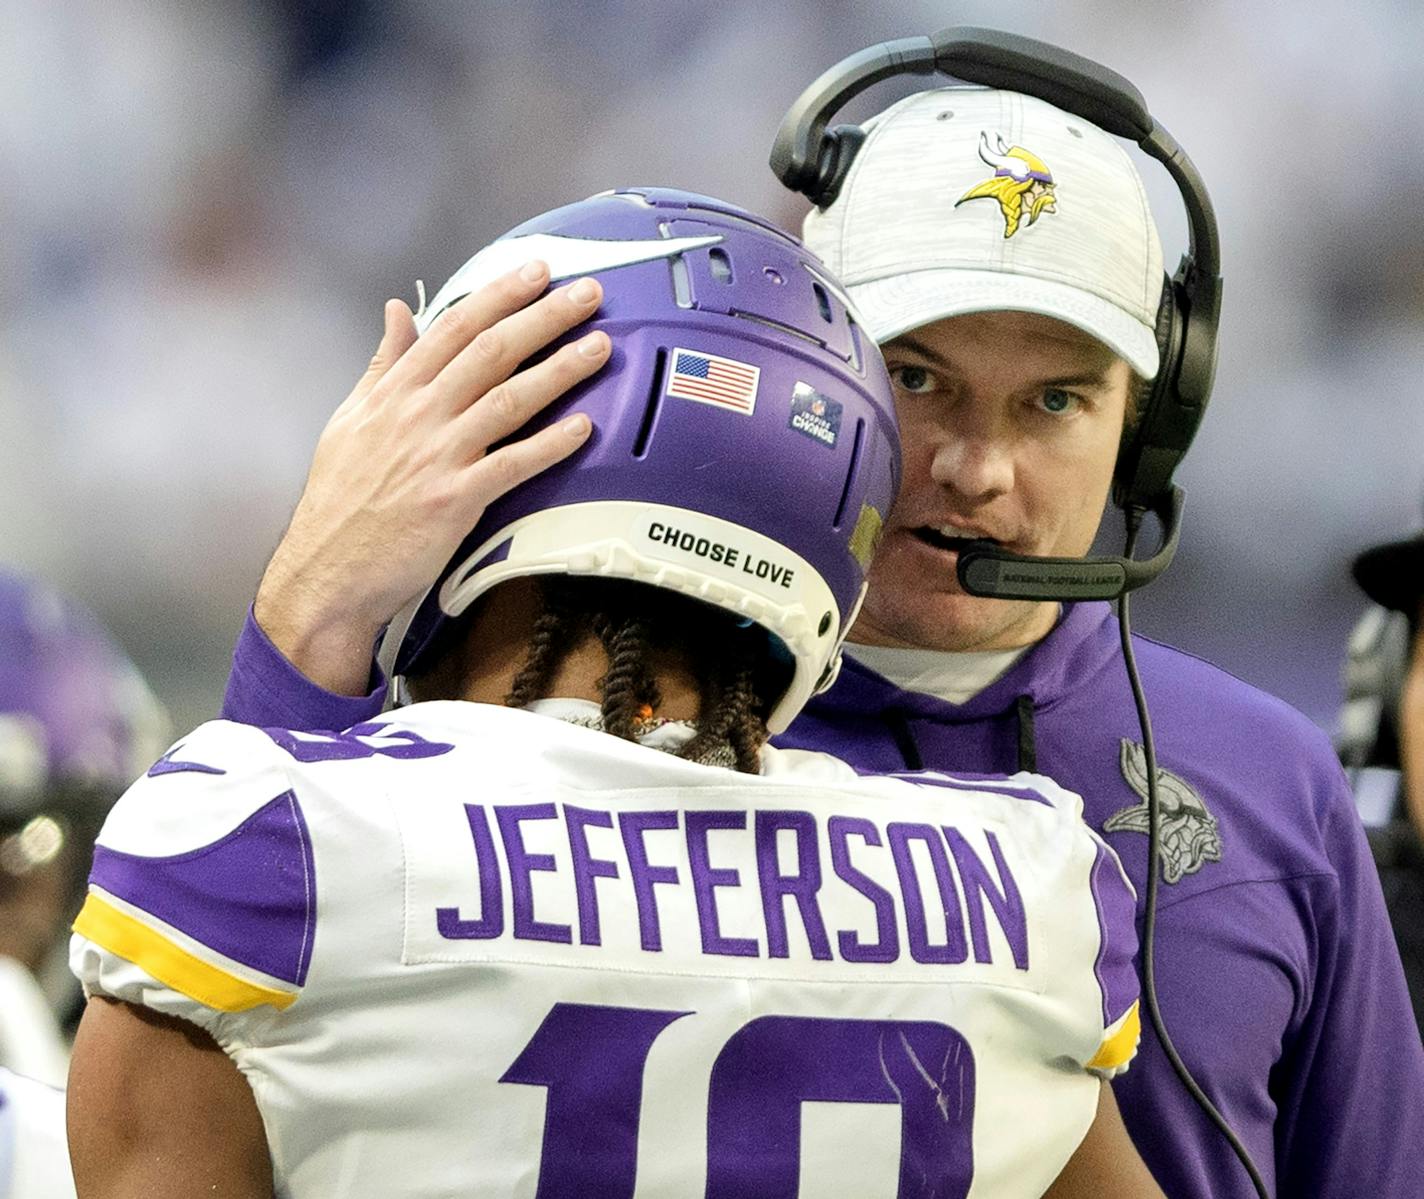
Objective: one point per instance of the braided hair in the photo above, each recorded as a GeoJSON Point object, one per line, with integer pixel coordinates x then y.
{"type": "Point", "coordinates": [734, 666]}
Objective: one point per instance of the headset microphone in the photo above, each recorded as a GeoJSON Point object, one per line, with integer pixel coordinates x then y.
{"type": "Point", "coordinates": [815, 160]}
{"type": "Point", "coordinates": [986, 570]}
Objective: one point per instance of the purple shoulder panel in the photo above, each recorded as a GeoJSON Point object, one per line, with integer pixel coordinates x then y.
{"type": "Point", "coordinates": [266, 690]}
{"type": "Point", "coordinates": [1117, 925]}
{"type": "Point", "coordinates": [250, 896]}
{"type": "Point", "coordinates": [168, 764]}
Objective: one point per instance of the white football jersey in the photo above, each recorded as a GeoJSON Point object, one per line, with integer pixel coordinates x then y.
{"type": "Point", "coordinates": [469, 950]}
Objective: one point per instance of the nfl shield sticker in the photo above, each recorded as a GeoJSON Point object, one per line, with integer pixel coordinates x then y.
{"type": "Point", "coordinates": [815, 414]}
{"type": "Point", "coordinates": [708, 379]}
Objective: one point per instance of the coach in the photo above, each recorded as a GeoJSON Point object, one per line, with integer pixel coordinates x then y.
{"type": "Point", "coordinates": [1003, 254]}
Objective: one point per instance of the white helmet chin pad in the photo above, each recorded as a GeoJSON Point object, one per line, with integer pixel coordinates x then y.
{"type": "Point", "coordinates": [697, 555]}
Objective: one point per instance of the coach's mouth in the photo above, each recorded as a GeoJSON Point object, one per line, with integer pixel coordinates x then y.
{"type": "Point", "coordinates": [949, 539]}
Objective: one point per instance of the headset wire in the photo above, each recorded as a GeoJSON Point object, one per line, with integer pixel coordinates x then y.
{"type": "Point", "coordinates": [1135, 515]}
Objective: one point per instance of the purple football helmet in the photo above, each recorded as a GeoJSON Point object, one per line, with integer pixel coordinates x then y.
{"type": "Point", "coordinates": [77, 721]}
{"type": "Point", "coordinates": [744, 448]}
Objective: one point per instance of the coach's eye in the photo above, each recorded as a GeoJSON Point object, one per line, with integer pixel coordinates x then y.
{"type": "Point", "coordinates": [1057, 401]}
{"type": "Point", "coordinates": [914, 379]}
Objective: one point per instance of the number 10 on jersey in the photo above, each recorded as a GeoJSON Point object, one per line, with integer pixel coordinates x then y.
{"type": "Point", "coordinates": [591, 1060]}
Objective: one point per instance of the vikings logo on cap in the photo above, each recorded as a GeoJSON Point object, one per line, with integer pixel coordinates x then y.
{"type": "Point", "coordinates": [1019, 178]}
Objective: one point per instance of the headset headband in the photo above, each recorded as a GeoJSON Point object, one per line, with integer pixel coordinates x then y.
{"type": "Point", "coordinates": [814, 161]}
{"type": "Point", "coordinates": [993, 59]}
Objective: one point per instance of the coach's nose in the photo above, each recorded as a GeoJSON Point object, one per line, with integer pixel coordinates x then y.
{"type": "Point", "coordinates": [974, 454]}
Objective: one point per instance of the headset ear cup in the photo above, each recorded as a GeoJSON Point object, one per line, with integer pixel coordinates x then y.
{"type": "Point", "coordinates": [839, 147]}
{"type": "Point", "coordinates": [1129, 484]}
{"type": "Point", "coordinates": [1168, 314]}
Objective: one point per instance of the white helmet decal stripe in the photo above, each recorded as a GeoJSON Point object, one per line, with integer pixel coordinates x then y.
{"type": "Point", "coordinates": [566, 256]}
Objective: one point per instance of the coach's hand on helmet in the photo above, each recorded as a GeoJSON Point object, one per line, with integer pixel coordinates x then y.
{"type": "Point", "coordinates": [404, 469]}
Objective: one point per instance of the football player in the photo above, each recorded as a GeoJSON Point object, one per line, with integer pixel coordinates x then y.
{"type": "Point", "coordinates": [1002, 252]}
{"type": "Point", "coordinates": [566, 925]}
{"type": "Point", "coordinates": [77, 725]}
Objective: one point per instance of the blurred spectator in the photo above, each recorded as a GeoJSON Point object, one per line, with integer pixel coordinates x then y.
{"type": "Point", "coordinates": [205, 205]}
{"type": "Point", "coordinates": [1381, 736]}
{"type": "Point", "coordinates": [77, 725]}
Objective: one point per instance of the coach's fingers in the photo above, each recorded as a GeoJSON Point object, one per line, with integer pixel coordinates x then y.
{"type": "Point", "coordinates": [491, 358]}
{"type": "Point", "coordinates": [400, 333]}
{"type": "Point", "coordinates": [397, 336]}
{"type": "Point", "coordinates": [465, 321]}
{"type": "Point", "coordinates": [510, 405]}
{"type": "Point", "coordinates": [485, 481]}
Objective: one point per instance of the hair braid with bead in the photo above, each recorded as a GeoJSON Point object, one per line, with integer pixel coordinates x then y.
{"type": "Point", "coordinates": [629, 688]}
{"type": "Point", "coordinates": [733, 664]}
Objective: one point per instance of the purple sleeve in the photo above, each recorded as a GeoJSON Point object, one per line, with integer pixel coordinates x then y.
{"type": "Point", "coordinates": [1116, 904]}
{"type": "Point", "coordinates": [1352, 1103]}
{"type": "Point", "coordinates": [1286, 999]}
{"type": "Point", "coordinates": [266, 690]}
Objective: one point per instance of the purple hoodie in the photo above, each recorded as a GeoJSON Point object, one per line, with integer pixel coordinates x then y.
{"type": "Point", "coordinates": [1277, 972]}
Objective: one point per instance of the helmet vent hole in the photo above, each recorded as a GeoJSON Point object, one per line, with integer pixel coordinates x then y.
{"type": "Point", "coordinates": [681, 282]}
{"type": "Point", "coordinates": [857, 352]}
{"type": "Point", "coordinates": [773, 274]}
{"type": "Point", "coordinates": [823, 302]}
{"type": "Point", "coordinates": [721, 265]}
{"type": "Point", "coordinates": [650, 410]}
{"type": "Point", "coordinates": [824, 625]}
{"type": "Point", "coordinates": [850, 472]}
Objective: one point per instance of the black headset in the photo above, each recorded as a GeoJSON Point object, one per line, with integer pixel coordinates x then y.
{"type": "Point", "coordinates": [812, 160]}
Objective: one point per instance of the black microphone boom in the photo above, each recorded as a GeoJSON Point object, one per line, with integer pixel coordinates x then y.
{"type": "Point", "coordinates": [986, 570]}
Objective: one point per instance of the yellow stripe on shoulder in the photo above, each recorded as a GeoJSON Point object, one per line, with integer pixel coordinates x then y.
{"type": "Point", "coordinates": [1119, 1045]}
{"type": "Point", "coordinates": [175, 967]}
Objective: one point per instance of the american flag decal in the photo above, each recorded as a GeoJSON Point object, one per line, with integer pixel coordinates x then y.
{"type": "Point", "coordinates": [708, 379]}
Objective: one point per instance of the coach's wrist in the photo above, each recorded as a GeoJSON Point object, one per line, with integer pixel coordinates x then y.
{"type": "Point", "coordinates": [328, 643]}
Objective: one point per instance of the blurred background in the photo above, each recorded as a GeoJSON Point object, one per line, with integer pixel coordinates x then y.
{"type": "Point", "coordinates": [204, 206]}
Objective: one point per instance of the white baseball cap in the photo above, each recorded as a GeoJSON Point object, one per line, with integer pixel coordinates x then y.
{"type": "Point", "coordinates": [971, 199]}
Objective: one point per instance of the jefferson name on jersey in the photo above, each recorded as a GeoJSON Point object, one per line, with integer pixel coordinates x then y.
{"type": "Point", "coordinates": [471, 950]}
{"type": "Point", "coordinates": [845, 885]}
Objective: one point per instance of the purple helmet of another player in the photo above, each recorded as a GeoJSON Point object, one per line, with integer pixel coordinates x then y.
{"type": "Point", "coordinates": [744, 448]}
{"type": "Point", "coordinates": [77, 721]}
{"type": "Point", "coordinates": [77, 725]}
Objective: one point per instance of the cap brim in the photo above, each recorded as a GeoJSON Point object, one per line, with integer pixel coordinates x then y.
{"type": "Point", "coordinates": [1393, 574]}
{"type": "Point", "coordinates": [900, 303]}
